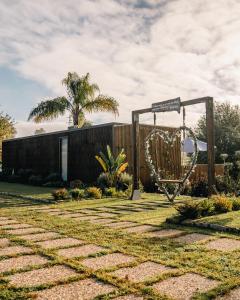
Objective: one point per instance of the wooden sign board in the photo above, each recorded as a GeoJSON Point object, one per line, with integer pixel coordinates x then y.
{"type": "Point", "coordinates": [169, 105]}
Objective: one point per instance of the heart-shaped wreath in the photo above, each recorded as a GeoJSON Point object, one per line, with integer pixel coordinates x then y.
{"type": "Point", "coordinates": [169, 138]}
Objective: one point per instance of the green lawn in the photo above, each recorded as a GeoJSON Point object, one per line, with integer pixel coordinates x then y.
{"type": "Point", "coordinates": [194, 258]}
{"type": "Point", "coordinates": [26, 190]}
{"type": "Point", "coordinates": [231, 219]}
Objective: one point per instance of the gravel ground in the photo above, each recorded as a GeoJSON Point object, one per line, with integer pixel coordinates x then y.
{"type": "Point", "coordinates": [165, 233]}
{"type": "Point", "coordinates": [21, 262]}
{"type": "Point", "coordinates": [233, 295]}
{"type": "Point", "coordinates": [4, 242]}
{"type": "Point", "coordinates": [140, 229]}
{"type": "Point", "coordinates": [41, 236]}
{"type": "Point", "coordinates": [80, 251]}
{"type": "Point", "coordinates": [224, 244]}
{"type": "Point", "coordinates": [192, 238]}
{"type": "Point", "coordinates": [24, 231]}
{"type": "Point", "coordinates": [141, 272]}
{"type": "Point", "coordinates": [106, 261]}
{"type": "Point", "coordinates": [81, 290]}
{"type": "Point", "coordinates": [64, 242]}
{"type": "Point", "coordinates": [15, 250]}
{"type": "Point", "coordinates": [185, 286]}
{"type": "Point", "coordinates": [41, 276]}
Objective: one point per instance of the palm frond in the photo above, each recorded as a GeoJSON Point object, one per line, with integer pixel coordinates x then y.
{"type": "Point", "coordinates": [101, 162]}
{"type": "Point", "coordinates": [102, 103]}
{"type": "Point", "coordinates": [49, 109]}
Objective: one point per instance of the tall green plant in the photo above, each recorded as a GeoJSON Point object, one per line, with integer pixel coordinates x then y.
{"type": "Point", "coordinates": [114, 167]}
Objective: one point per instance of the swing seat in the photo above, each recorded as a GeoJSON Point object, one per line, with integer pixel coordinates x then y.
{"type": "Point", "coordinates": [170, 181]}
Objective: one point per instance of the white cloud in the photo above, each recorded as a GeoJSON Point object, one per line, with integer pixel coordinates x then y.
{"type": "Point", "coordinates": [137, 51]}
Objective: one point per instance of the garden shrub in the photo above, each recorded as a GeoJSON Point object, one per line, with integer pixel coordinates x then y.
{"type": "Point", "coordinates": [53, 177]}
{"type": "Point", "coordinates": [77, 193]}
{"type": "Point", "coordinates": [206, 207]}
{"type": "Point", "coordinates": [14, 178]}
{"type": "Point", "coordinates": [104, 181]}
{"type": "Point", "coordinates": [93, 192]}
{"type": "Point", "coordinates": [124, 181]}
{"type": "Point", "coordinates": [110, 192]}
{"type": "Point", "coordinates": [222, 204]}
{"type": "Point", "coordinates": [225, 184]}
{"type": "Point", "coordinates": [25, 175]}
{"type": "Point", "coordinates": [200, 188]}
{"type": "Point", "coordinates": [76, 184]}
{"type": "Point", "coordinates": [56, 184]}
{"type": "Point", "coordinates": [189, 209]}
{"type": "Point", "coordinates": [61, 194]}
{"type": "Point", "coordinates": [35, 180]}
{"type": "Point", "coordinates": [236, 204]}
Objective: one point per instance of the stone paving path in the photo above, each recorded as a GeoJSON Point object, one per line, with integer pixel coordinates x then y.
{"type": "Point", "coordinates": [127, 266]}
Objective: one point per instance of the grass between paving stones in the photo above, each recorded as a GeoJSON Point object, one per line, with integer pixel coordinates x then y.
{"type": "Point", "coordinates": [186, 258]}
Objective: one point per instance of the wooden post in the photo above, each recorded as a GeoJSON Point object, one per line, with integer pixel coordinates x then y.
{"type": "Point", "coordinates": [135, 154]}
{"type": "Point", "coordinates": [210, 145]}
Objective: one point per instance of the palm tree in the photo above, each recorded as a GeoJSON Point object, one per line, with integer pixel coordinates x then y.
{"type": "Point", "coordinates": [81, 99]}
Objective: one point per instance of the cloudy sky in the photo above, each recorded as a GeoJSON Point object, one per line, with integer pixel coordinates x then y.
{"type": "Point", "coordinates": [138, 51]}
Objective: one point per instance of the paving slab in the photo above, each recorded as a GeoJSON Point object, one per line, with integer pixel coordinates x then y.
{"type": "Point", "coordinates": [86, 289]}
{"type": "Point", "coordinates": [72, 215]}
{"type": "Point", "coordinates": [12, 250]}
{"type": "Point", "coordinates": [224, 244]}
{"type": "Point", "coordinates": [165, 233]}
{"type": "Point", "coordinates": [140, 229]}
{"type": "Point", "coordinates": [87, 218]}
{"type": "Point", "coordinates": [58, 243]}
{"type": "Point", "coordinates": [103, 221]}
{"type": "Point", "coordinates": [41, 276]}
{"type": "Point", "coordinates": [192, 238]}
{"type": "Point", "coordinates": [4, 218]}
{"type": "Point", "coordinates": [142, 272]}
{"type": "Point", "coordinates": [4, 242]}
{"type": "Point", "coordinates": [15, 226]}
{"type": "Point", "coordinates": [107, 214]}
{"type": "Point", "coordinates": [232, 295]}
{"type": "Point", "coordinates": [41, 236]}
{"type": "Point", "coordinates": [25, 231]}
{"type": "Point", "coordinates": [106, 261]}
{"type": "Point", "coordinates": [21, 262]}
{"type": "Point", "coordinates": [87, 211]}
{"type": "Point", "coordinates": [129, 297]}
{"type": "Point", "coordinates": [84, 250]}
{"type": "Point", "coordinates": [184, 287]}
{"type": "Point", "coordinates": [123, 212]}
{"type": "Point", "coordinates": [120, 224]}
{"type": "Point", "coordinates": [5, 222]}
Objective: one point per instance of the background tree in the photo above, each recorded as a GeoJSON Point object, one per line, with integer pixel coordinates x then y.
{"type": "Point", "coordinates": [83, 97]}
{"type": "Point", "coordinates": [39, 131]}
{"type": "Point", "coordinates": [7, 129]}
{"type": "Point", "coordinates": [227, 130]}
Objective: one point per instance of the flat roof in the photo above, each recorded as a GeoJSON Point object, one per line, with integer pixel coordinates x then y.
{"type": "Point", "coordinates": [65, 131]}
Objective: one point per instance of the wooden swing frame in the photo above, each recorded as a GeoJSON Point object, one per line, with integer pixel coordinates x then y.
{"type": "Point", "coordinates": [209, 112]}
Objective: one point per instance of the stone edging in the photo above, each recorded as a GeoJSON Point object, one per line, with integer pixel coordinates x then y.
{"type": "Point", "coordinates": [211, 226]}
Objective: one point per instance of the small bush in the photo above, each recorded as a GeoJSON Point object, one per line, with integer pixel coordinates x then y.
{"type": "Point", "coordinates": [124, 181]}
{"type": "Point", "coordinates": [110, 192]}
{"type": "Point", "coordinates": [93, 192]}
{"type": "Point", "coordinates": [61, 194]}
{"type": "Point", "coordinates": [53, 177]}
{"type": "Point", "coordinates": [236, 204]}
{"type": "Point", "coordinates": [76, 184]}
{"type": "Point", "coordinates": [14, 178]}
{"type": "Point", "coordinates": [222, 204]}
{"type": "Point", "coordinates": [206, 207]}
{"type": "Point", "coordinates": [25, 175]}
{"type": "Point", "coordinates": [35, 180]}
{"type": "Point", "coordinates": [77, 193]}
{"type": "Point", "coordinates": [189, 210]}
{"type": "Point", "coordinates": [225, 184]}
{"type": "Point", "coordinates": [58, 184]}
{"type": "Point", "coordinates": [200, 188]}
{"type": "Point", "coordinates": [104, 181]}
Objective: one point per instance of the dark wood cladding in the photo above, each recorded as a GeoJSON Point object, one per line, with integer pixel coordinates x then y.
{"type": "Point", "coordinates": [42, 152]}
